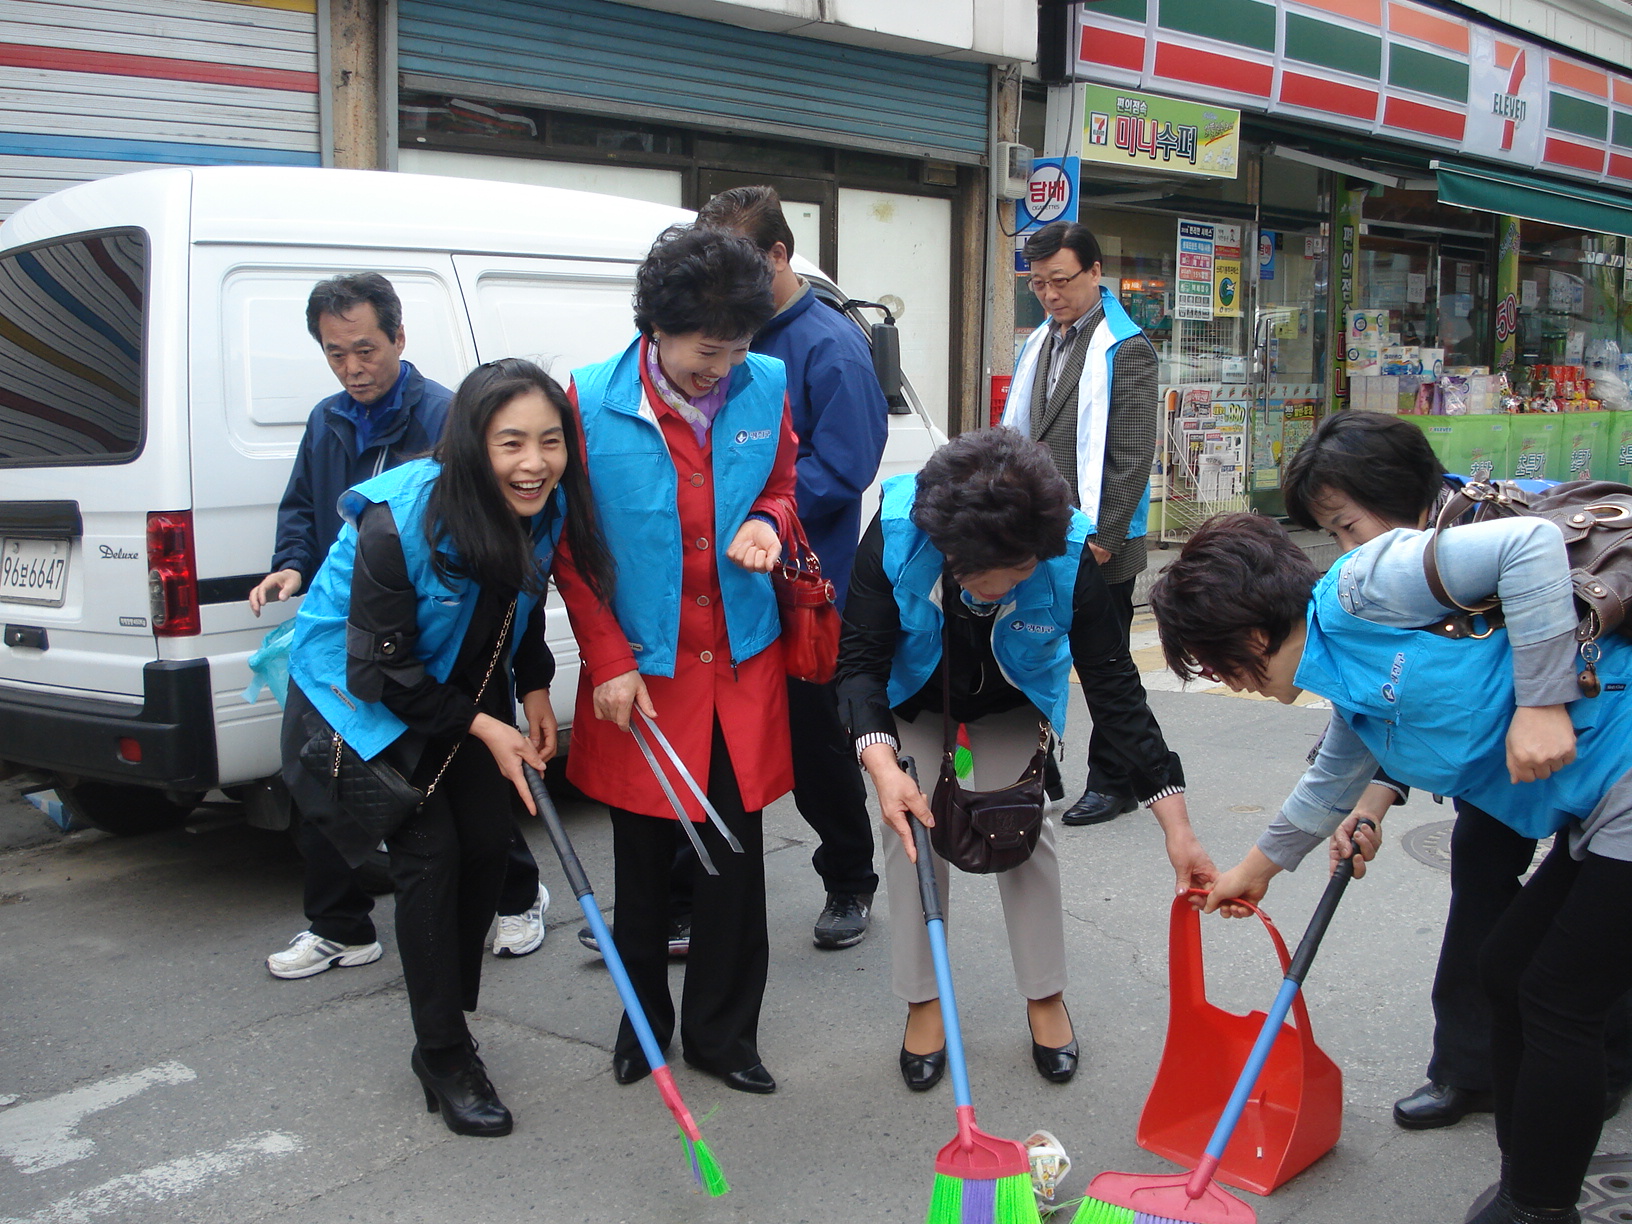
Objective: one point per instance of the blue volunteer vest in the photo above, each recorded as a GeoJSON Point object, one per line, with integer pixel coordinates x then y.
{"type": "Point", "coordinates": [317, 659]}
{"type": "Point", "coordinates": [637, 491]}
{"type": "Point", "coordinates": [1434, 712]}
{"type": "Point", "coordinates": [1030, 634]}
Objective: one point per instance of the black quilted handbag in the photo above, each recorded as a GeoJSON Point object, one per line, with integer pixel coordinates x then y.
{"type": "Point", "coordinates": [374, 794]}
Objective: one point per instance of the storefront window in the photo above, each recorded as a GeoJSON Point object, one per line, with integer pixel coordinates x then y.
{"type": "Point", "coordinates": [1571, 296]}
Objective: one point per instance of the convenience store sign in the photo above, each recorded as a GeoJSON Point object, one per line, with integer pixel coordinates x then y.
{"type": "Point", "coordinates": [1122, 128]}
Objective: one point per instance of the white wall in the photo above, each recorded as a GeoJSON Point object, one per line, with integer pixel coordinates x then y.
{"type": "Point", "coordinates": [998, 31]}
{"type": "Point", "coordinates": [1601, 28]}
{"type": "Point", "coordinates": [631, 182]}
{"type": "Point", "coordinates": [900, 247]}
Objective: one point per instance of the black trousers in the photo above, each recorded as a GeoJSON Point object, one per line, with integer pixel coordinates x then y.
{"type": "Point", "coordinates": [1559, 959]}
{"type": "Point", "coordinates": [1488, 861]}
{"type": "Point", "coordinates": [1106, 776]}
{"type": "Point", "coordinates": [337, 909]}
{"type": "Point", "coordinates": [730, 950]}
{"type": "Point", "coordinates": [828, 790]}
{"type": "Point", "coordinates": [448, 866]}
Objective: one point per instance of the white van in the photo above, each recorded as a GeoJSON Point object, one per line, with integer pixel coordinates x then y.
{"type": "Point", "coordinates": [155, 377]}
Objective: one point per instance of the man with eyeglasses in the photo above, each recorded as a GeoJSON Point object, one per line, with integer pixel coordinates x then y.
{"type": "Point", "coordinates": [1085, 387]}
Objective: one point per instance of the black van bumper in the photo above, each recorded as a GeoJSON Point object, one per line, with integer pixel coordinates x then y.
{"type": "Point", "coordinates": [174, 725]}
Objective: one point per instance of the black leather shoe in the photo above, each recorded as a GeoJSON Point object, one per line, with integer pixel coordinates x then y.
{"type": "Point", "coordinates": [1434, 1105]}
{"type": "Point", "coordinates": [923, 1071]}
{"type": "Point", "coordinates": [1095, 808]}
{"type": "Point", "coordinates": [750, 1079]}
{"type": "Point", "coordinates": [465, 1097]}
{"type": "Point", "coordinates": [1056, 1064]}
{"type": "Point", "coordinates": [629, 1068]}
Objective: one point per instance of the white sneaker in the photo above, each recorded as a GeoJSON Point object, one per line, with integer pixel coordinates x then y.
{"type": "Point", "coordinates": [309, 954]}
{"type": "Point", "coordinates": [520, 934]}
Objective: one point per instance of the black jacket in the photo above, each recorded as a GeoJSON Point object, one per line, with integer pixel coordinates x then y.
{"type": "Point", "coordinates": [1110, 681]}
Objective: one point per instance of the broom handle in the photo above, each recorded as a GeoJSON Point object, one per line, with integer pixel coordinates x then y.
{"type": "Point", "coordinates": [578, 881]}
{"type": "Point", "coordinates": [1290, 985]}
{"type": "Point", "coordinates": [930, 897]}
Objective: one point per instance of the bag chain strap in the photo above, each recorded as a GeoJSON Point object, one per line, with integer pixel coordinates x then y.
{"type": "Point", "coordinates": [498, 650]}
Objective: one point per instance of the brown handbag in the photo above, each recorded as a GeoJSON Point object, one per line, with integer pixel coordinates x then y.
{"type": "Point", "coordinates": [983, 832]}
{"type": "Point", "coordinates": [810, 617]}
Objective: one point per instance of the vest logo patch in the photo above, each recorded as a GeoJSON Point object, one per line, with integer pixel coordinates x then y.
{"type": "Point", "coordinates": [1614, 688]}
{"type": "Point", "coordinates": [1021, 626]}
{"type": "Point", "coordinates": [755, 435]}
{"type": "Point", "coordinates": [1388, 693]}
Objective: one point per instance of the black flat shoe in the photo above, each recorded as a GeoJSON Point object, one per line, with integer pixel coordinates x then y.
{"type": "Point", "coordinates": [465, 1097]}
{"type": "Point", "coordinates": [750, 1079]}
{"type": "Point", "coordinates": [1056, 1064]}
{"type": "Point", "coordinates": [1435, 1105]}
{"type": "Point", "coordinates": [629, 1068]}
{"type": "Point", "coordinates": [923, 1071]}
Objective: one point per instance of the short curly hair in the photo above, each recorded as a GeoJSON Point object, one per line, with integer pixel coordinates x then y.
{"type": "Point", "coordinates": [992, 499]}
{"type": "Point", "coordinates": [1237, 574]}
{"type": "Point", "coordinates": [702, 280]}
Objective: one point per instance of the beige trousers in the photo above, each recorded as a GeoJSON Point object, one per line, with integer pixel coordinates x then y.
{"type": "Point", "coordinates": [1002, 744]}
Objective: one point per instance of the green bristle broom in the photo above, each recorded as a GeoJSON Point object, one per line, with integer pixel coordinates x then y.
{"type": "Point", "coordinates": [705, 1170]}
{"type": "Point", "coordinates": [979, 1178]}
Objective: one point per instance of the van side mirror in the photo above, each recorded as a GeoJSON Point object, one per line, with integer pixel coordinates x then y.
{"type": "Point", "coordinates": [886, 343]}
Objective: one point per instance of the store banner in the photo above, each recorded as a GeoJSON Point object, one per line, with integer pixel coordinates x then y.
{"type": "Point", "coordinates": [1226, 271]}
{"type": "Point", "coordinates": [1193, 298]}
{"type": "Point", "coordinates": [1507, 293]}
{"type": "Point", "coordinates": [1413, 72]}
{"type": "Point", "coordinates": [1351, 208]}
{"type": "Point", "coordinates": [1121, 127]}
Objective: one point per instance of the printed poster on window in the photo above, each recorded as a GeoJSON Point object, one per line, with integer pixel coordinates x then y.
{"type": "Point", "coordinates": [1121, 128]}
{"type": "Point", "coordinates": [1193, 299]}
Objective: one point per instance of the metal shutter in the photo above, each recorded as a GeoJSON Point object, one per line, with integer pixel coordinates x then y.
{"type": "Point", "coordinates": [100, 87]}
{"type": "Point", "coordinates": [591, 54]}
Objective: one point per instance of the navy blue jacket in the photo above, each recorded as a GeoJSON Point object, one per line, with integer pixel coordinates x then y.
{"type": "Point", "coordinates": [328, 464]}
{"type": "Point", "coordinates": [842, 421]}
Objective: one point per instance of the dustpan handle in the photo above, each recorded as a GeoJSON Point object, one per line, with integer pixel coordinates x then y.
{"type": "Point", "coordinates": [1186, 974]}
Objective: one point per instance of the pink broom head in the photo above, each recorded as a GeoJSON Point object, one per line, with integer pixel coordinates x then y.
{"type": "Point", "coordinates": [1178, 1198]}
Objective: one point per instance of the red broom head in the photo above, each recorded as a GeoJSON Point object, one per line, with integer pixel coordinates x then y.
{"type": "Point", "coordinates": [975, 1155]}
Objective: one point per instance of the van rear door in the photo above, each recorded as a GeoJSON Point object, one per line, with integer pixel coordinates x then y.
{"type": "Point", "coordinates": [86, 452]}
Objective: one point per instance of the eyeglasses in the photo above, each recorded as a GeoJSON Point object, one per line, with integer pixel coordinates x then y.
{"type": "Point", "coordinates": [1057, 283]}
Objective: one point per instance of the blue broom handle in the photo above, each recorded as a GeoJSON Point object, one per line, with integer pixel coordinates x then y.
{"type": "Point", "coordinates": [936, 926]}
{"type": "Point", "coordinates": [1290, 985]}
{"type": "Point", "coordinates": [578, 881]}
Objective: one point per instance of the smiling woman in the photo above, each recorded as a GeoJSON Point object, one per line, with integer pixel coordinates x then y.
{"type": "Point", "coordinates": [396, 655]}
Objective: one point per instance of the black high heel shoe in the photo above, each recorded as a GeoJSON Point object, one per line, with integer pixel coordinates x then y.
{"type": "Point", "coordinates": [1056, 1064]}
{"type": "Point", "coordinates": [465, 1096]}
{"type": "Point", "coordinates": [922, 1071]}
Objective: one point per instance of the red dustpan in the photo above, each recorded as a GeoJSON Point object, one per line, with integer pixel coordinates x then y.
{"type": "Point", "coordinates": [1295, 1113]}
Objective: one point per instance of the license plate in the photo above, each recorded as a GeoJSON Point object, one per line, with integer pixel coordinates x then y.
{"type": "Point", "coordinates": [33, 571]}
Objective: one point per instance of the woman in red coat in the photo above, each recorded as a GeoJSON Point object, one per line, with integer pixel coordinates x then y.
{"type": "Point", "coordinates": [690, 451]}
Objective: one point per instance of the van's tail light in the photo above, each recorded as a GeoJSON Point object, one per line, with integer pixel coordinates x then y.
{"type": "Point", "coordinates": [172, 575]}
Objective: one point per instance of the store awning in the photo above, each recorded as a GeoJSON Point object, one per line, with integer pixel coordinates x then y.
{"type": "Point", "coordinates": [1534, 198]}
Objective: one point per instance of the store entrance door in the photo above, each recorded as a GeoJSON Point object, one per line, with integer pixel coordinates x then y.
{"type": "Point", "coordinates": [1289, 350]}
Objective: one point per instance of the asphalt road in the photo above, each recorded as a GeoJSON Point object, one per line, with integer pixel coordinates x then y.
{"type": "Point", "coordinates": [151, 1070]}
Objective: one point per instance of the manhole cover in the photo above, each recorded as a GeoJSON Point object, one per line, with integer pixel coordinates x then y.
{"type": "Point", "coordinates": [1431, 844]}
{"type": "Point", "coordinates": [1606, 1193]}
